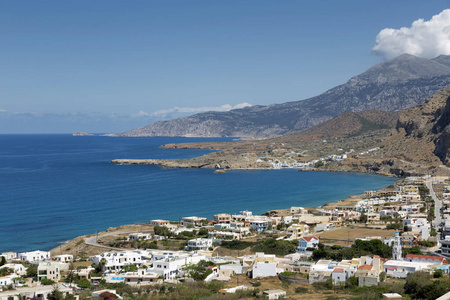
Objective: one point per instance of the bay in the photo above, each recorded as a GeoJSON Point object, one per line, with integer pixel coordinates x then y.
{"type": "Point", "coordinates": [56, 187]}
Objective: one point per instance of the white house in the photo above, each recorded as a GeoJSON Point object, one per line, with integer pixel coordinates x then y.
{"type": "Point", "coordinates": [199, 244]}
{"type": "Point", "coordinates": [438, 260]}
{"type": "Point", "coordinates": [194, 221]}
{"type": "Point", "coordinates": [324, 227]}
{"type": "Point", "coordinates": [34, 256]}
{"type": "Point", "coordinates": [264, 269]}
{"type": "Point", "coordinates": [139, 236]}
{"type": "Point", "coordinates": [275, 294]}
{"type": "Point", "coordinates": [338, 276]}
{"type": "Point", "coordinates": [321, 271]}
{"type": "Point", "coordinates": [236, 268]}
{"type": "Point", "coordinates": [264, 265]}
{"type": "Point", "coordinates": [115, 261]}
{"type": "Point", "coordinates": [307, 242]}
{"type": "Point", "coordinates": [159, 222]}
{"type": "Point", "coordinates": [18, 269]}
{"type": "Point", "coordinates": [37, 292]}
{"type": "Point", "coordinates": [400, 268]}
{"type": "Point", "coordinates": [64, 258]}
{"type": "Point", "coordinates": [6, 280]}
{"type": "Point", "coordinates": [141, 277]}
{"type": "Point", "coordinates": [9, 255]}
{"type": "Point", "coordinates": [258, 225]}
{"type": "Point", "coordinates": [169, 263]}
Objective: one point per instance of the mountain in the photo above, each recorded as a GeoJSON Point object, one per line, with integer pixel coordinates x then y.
{"type": "Point", "coordinates": [422, 133]}
{"type": "Point", "coordinates": [393, 85]}
{"type": "Point", "coordinates": [345, 125]}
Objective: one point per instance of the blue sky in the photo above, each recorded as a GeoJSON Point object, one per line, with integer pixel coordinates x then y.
{"type": "Point", "coordinates": [109, 66]}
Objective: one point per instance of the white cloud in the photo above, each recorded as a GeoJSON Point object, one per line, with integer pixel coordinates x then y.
{"type": "Point", "coordinates": [2, 110]}
{"type": "Point", "coordinates": [178, 111]}
{"type": "Point", "coordinates": [426, 39]}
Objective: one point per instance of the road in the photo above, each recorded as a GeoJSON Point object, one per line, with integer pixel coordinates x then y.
{"type": "Point", "coordinates": [92, 241]}
{"type": "Point", "coordinates": [437, 205]}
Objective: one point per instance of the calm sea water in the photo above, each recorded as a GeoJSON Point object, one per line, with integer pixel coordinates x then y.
{"type": "Point", "coordinates": [56, 187]}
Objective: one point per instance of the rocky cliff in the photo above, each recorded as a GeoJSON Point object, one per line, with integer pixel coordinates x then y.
{"type": "Point", "coordinates": [423, 132]}
{"type": "Point", "coordinates": [397, 84]}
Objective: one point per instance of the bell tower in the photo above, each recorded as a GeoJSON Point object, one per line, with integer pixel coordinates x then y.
{"type": "Point", "coordinates": [397, 248]}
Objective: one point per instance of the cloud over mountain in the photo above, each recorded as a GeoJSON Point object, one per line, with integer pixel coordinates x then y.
{"type": "Point", "coordinates": [179, 111]}
{"type": "Point", "coordinates": [426, 39]}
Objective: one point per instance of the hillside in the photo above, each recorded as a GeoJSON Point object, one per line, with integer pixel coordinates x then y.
{"type": "Point", "coordinates": [413, 141]}
{"type": "Point", "coordinates": [422, 133]}
{"type": "Point", "coordinates": [345, 125]}
{"type": "Point", "coordinates": [393, 85]}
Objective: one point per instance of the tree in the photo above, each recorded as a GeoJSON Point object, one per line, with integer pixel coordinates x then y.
{"type": "Point", "coordinates": [83, 283]}
{"type": "Point", "coordinates": [100, 266]}
{"type": "Point", "coordinates": [32, 272]}
{"type": "Point", "coordinates": [5, 271]}
{"type": "Point", "coordinates": [46, 281]}
{"type": "Point", "coordinates": [203, 232]}
{"type": "Point", "coordinates": [2, 261]}
{"type": "Point", "coordinates": [415, 282]}
{"type": "Point", "coordinates": [363, 218]}
{"type": "Point", "coordinates": [129, 268]}
{"type": "Point", "coordinates": [56, 294]}
{"type": "Point", "coordinates": [382, 276]}
{"type": "Point", "coordinates": [70, 297]}
{"type": "Point", "coordinates": [352, 281]}
{"type": "Point", "coordinates": [438, 274]}
{"type": "Point", "coordinates": [162, 230]}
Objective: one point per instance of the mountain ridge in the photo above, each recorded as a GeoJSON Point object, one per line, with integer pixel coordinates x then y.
{"type": "Point", "coordinates": [393, 85]}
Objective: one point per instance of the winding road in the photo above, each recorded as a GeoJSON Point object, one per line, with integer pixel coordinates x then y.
{"type": "Point", "coordinates": [437, 205]}
{"type": "Point", "coordinates": [92, 241]}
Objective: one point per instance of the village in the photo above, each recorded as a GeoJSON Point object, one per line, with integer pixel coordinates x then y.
{"type": "Point", "coordinates": [380, 239]}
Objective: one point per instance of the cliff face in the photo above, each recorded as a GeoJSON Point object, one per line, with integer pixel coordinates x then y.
{"type": "Point", "coordinates": [424, 131]}
{"type": "Point", "coordinates": [397, 84]}
{"type": "Point", "coordinates": [442, 129]}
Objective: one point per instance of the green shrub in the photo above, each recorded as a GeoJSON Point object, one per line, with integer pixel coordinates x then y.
{"type": "Point", "coordinates": [46, 281]}
{"type": "Point", "coordinates": [301, 290]}
{"type": "Point", "coordinates": [236, 244]}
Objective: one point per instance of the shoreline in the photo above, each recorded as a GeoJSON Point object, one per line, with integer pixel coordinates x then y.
{"type": "Point", "coordinates": [392, 167]}
{"type": "Point", "coordinates": [270, 212]}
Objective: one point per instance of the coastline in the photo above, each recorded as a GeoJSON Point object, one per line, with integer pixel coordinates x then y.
{"type": "Point", "coordinates": [138, 227]}
{"type": "Point", "coordinates": [392, 167]}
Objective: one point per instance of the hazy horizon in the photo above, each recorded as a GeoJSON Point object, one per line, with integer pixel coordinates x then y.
{"type": "Point", "coordinates": [111, 66]}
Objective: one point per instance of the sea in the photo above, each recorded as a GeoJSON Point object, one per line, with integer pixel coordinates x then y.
{"type": "Point", "coordinates": [56, 187]}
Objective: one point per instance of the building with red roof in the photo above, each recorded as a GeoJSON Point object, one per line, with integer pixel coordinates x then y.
{"type": "Point", "coordinates": [426, 258]}
{"type": "Point", "coordinates": [307, 242]}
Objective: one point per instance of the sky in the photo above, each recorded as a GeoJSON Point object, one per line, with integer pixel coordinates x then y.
{"type": "Point", "coordinates": [111, 66]}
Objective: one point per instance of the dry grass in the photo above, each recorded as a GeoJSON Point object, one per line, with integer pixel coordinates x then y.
{"type": "Point", "coordinates": [341, 235]}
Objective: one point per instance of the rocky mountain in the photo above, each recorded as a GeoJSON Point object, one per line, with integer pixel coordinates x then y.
{"type": "Point", "coordinates": [423, 132]}
{"type": "Point", "coordinates": [345, 125]}
{"type": "Point", "coordinates": [393, 85]}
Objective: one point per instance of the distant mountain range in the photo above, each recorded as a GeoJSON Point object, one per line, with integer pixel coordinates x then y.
{"type": "Point", "coordinates": [397, 84]}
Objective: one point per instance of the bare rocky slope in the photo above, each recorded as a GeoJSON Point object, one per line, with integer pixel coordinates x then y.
{"type": "Point", "coordinates": [400, 83]}
{"type": "Point", "coordinates": [413, 141]}
{"type": "Point", "coordinates": [422, 132]}
{"type": "Point", "coordinates": [419, 145]}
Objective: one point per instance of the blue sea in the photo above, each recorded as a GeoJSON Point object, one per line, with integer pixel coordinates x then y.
{"type": "Point", "coordinates": [57, 187]}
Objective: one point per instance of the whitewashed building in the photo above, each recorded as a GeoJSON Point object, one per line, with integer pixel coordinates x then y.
{"type": "Point", "coordinates": [199, 244]}
{"type": "Point", "coordinates": [34, 256]}
{"type": "Point", "coordinates": [307, 242]}
{"type": "Point", "coordinates": [9, 255]}
{"type": "Point", "coordinates": [115, 261]}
